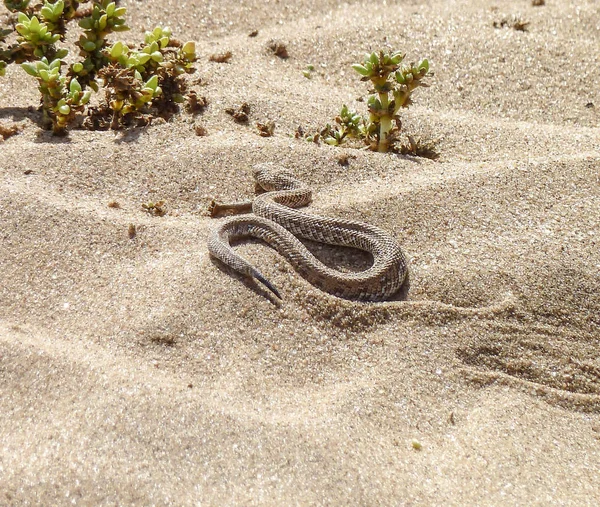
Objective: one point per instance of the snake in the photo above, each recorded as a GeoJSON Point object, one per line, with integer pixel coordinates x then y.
{"type": "Point", "coordinates": [275, 219]}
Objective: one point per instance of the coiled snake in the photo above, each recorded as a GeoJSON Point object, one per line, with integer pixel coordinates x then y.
{"type": "Point", "coordinates": [276, 221]}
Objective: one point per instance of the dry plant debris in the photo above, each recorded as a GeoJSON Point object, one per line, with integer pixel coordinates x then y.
{"type": "Point", "coordinates": [157, 208]}
{"type": "Point", "coordinates": [239, 113]}
{"type": "Point", "coordinates": [220, 57]}
{"type": "Point", "coordinates": [195, 103]}
{"type": "Point", "coordinates": [278, 48]}
{"type": "Point", "coordinates": [200, 130]}
{"type": "Point", "coordinates": [131, 231]}
{"type": "Point", "coordinates": [515, 22]}
{"type": "Point", "coordinates": [266, 129]}
{"type": "Point", "coordinates": [7, 131]}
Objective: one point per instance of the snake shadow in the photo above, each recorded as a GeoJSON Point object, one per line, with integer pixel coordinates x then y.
{"type": "Point", "coordinates": [348, 259]}
{"type": "Point", "coordinates": [248, 281]}
{"type": "Point", "coordinates": [341, 258]}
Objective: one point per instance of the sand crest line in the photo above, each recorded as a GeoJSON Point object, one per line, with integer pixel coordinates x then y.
{"type": "Point", "coordinates": [327, 197]}
{"type": "Point", "coordinates": [579, 401]}
{"type": "Point", "coordinates": [332, 196]}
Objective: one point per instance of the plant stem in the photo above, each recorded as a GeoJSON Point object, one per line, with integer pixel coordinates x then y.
{"type": "Point", "coordinates": [385, 124]}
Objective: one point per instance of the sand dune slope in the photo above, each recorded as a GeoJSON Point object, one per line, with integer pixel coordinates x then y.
{"type": "Point", "coordinates": [137, 371]}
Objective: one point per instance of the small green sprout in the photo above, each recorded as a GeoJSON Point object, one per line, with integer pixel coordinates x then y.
{"type": "Point", "coordinates": [52, 15]}
{"type": "Point", "coordinates": [157, 208]}
{"type": "Point", "coordinates": [307, 73]}
{"type": "Point", "coordinates": [156, 66]}
{"type": "Point", "coordinates": [104, 19]}
{"type": "Point", "coordinates": [350, 124]}
{"type": "Point", "coordinates": [416, 445]}
{"type": "Point", "coordinates": [160, 35]}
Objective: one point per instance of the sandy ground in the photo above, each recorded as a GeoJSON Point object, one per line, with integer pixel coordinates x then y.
{"type": "Point", "coordinates": [138, 372]}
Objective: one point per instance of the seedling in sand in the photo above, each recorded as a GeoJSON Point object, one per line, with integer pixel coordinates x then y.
{"type": "Point", "coordinates": [157, 208]}
{"type": "Point", "coordinates": [393, 85]}
{"type": "Point", "coordinates": [307, 73]}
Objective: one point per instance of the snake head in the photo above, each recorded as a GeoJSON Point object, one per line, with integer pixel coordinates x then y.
{"type": "Point", "coordinates": [271, 177]}
{"type": "Point", "coordinates": [264, 171]}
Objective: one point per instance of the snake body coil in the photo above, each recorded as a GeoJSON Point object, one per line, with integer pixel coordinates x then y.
{"type": "Point", "coordinates": [276, 221]}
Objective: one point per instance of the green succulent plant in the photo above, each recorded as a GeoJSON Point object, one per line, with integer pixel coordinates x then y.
{"type": "Point", "coordinates": [393, 85]}
{"type": "Point", "coordinates": [53, 15]}
{"type": "Point", "coordinates": [16, 6]}
{"type": "Point", "coordinates": [104, 19]}
{"type": "Point", "coordinates": [60, 101]}
{"type": "Point", "coordinates": [152, 71]}
{"type": "Point", "coordinates": [35, 37]}
{"type": "Point", "coordinates": [135, 79]}
{"type": "Point", "coordinates": [350, 124]}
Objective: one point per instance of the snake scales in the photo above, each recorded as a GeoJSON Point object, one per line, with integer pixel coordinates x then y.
{"type": "Point", "coordinates": [276, 221]}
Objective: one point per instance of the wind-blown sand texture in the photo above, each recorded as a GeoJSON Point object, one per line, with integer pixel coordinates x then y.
{"type": "Point", "coordinates": [138, 372]}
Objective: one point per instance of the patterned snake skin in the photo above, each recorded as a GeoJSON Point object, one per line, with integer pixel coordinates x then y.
{"type": "Point", "coordinates": [275, 221]}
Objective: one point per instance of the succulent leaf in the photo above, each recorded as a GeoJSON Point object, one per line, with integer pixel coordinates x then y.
{"type": "Point", "coordinates": [30, 68]}
{"type": "Point", "coordinates": [361, 69]}
{"type": "Point", "coordinates": [74, 86]}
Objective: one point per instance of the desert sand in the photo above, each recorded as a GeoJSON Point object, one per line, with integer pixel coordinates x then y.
{"type": "Point", "coordinates": [136, 371]}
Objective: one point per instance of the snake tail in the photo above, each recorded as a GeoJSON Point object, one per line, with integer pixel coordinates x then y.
{"type": "Point", "coordinates": [256, 274]}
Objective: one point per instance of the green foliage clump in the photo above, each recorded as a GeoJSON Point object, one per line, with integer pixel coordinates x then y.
{"type": "Point", "coordinates": [135, 80]}
{"type": "Point", "coordinates": [393, 85]}
{"type": "Point", "coordinates": [16, 6]}
{"type": "Point", "coordinates": [59, 101]}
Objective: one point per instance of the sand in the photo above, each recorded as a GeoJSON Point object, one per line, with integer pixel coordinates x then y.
{"type": "Point", "coordinates": [139, 372]}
